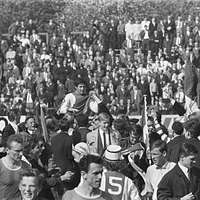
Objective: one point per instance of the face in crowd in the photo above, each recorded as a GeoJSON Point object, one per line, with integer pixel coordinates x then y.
{"type": "Point", "coordinates": [30, 124]}
{"type": "Point", "coordinates": [94, 175]}
{"type": "Point", "coordinates": [188, 161]}
{"type": "Point", "coordinates": [104, 124]}
{"type": "Point", "coordinates": [29, 187]}
{"type": "Point", "coordinates": [15, 151]}
{"type": "Point", "coordinates": [81, 88]}
{"type": "Point", "coordinates": [157, 156]}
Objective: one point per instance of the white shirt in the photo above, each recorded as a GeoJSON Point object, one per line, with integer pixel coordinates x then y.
{"type": "Point", "coordinates": [154, 176]}
{"type": "Point", "coordinates": [184, 169]}
{"type": "Point", "coordinates": [68, 102]}
{"type": "Point", "coordinates": [107, 137]}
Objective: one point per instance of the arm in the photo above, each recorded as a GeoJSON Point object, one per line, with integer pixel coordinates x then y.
{"type": "Point", "coordinates": [148, 186]}
{"type": "Point", "coordinates": [67, 103]}
{"type": "Point", "coordinates": [133, 193]}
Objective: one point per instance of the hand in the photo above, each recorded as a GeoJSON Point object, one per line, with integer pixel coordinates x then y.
{"type": "Point", "coordinates": [189, 196]}
{"type": "Point", "coordinates": [67, 176]}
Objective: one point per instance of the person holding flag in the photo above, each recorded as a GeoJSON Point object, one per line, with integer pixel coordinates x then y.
{"type": "Point", "coordinates": [76, 101]}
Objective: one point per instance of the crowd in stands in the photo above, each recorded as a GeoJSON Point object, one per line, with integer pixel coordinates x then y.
{"type": "Point", "coordinates": [126, 64]}
{"type": "Point", "coordinates": [121, 60]}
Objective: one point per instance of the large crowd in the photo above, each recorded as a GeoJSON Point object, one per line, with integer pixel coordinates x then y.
{"type": "Point", "coordinates": [114, 70]}
{"type": "Point", "coordinates": [116, 59]}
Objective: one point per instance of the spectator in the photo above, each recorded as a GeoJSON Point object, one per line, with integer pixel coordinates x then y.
{"type": "Point", "coordinates": [11, 168]}
{"type": "Point", "coordinates": [160, 167]}
{"type": "Point", "coordinates": [10, 129]}
{"type": "Point", "coordinates": [113, 162]}
{"type": "Point", "coordinates": [91, 168]}
{"type": "Point", "coordinates": [173, 146]}
{"type": "Point", "coordinates": [179, 175]}
{"type": "Point", "coordinates": [103, 136]}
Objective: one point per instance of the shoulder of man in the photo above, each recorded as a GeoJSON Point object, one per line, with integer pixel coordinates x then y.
{"type": "Point", "coordinates": [68, 195]}
{"type": "Point", "coordinates": [106, 196]}
{"type": "Point", "coordinates": [92, 133]}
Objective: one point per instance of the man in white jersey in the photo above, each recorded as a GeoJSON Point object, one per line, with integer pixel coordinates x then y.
{"type": "Point", "coordinates": [79, 101]}
{"type": "Point", "coordinates": [91, 171]}
{"type": "Point", "coordinates": [113, 182]}
{"type": "Point", "coordinates": [76, 100]}
{"type": "Point", "coordinates": [156, 171]}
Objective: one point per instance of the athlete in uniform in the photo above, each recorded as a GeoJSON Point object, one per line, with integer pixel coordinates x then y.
{"type": "Point", "coordinates": [113, 182]}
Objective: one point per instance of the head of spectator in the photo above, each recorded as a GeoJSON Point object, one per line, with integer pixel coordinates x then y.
{"type": "Point", "coordinates": [80, 86]}
{"type": "Point", "coordinates": [91, 167]}
{"type": "Point", "coordinates": [14, 148]}
{"type": "Point", "coordinates": [159, 152]}
{"type": "Point", "coordinates": [113, 159]}
{"type": "Point", "coordinates": [187, 155]}
{"type": "Point", "coordinates": [79, 150]}
{"type": "Point", "coordinates": [192, 127]}
{"type": "Point", "coordinates": [151, 125]}
{"type": "Point", "coordinates": [30, 185]}
{"type": "Point", "coordinates": [104, 121]}
{"type": "Point", "coordinates": [37, 146]}
{"type": "Point", "coordinates": [177, 128]}
{"type": "Point", "coordinates": [30, 124]}
{"type": "Point", "coordinates": [136, 134]}
{"type": "Point", "coordinates": [123, 126]}
{"type": "Point", "coordinates": [12, 116]}
{"type": "Point", "coordinates": [66, 122]}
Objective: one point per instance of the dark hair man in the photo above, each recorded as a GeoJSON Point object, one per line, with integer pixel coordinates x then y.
{"type": "Point", "coordinates": [173, 146]}
{"type": "Point", "coordinates": [160, 167]}
{"type": "Point", "coordinates": [182, 182]}
{"type": "Point", "coordinates": [91, 167]}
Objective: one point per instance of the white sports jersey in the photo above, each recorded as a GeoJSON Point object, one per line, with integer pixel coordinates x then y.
{"type": "Point", "coordinates": [119, 186]}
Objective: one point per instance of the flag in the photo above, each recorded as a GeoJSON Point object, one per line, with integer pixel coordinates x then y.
{"type": "Point", "coordinates": [43, 124]}
{"type": "Point", "coordinates": [145, 129]}
{"type": "Point", "coordinates": [144, 123]}
{"type": "Point", "coordinates": [190, 86]}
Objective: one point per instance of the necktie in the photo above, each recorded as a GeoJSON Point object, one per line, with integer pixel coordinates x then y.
{"type": "Point", "coordinates": [188, 174]}
{"type": "Point", "coordinates": [107, 140]}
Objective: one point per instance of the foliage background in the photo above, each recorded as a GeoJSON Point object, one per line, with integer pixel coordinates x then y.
{"type": "Point", "coordinates": [79, 14]}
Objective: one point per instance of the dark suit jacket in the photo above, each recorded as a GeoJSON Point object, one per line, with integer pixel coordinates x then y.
{"type": "Point", "coordinates": [173, 148]}
{"type": "Point", "coordinates": [175, 184]}
{"type": "Point", "coordinates": [61, 145]}
{"type": "Point", "coordinates": [7, 131]}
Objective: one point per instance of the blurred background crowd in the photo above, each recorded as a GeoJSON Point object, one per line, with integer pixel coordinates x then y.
{"type": "Point", "coordinates": [131, 55]}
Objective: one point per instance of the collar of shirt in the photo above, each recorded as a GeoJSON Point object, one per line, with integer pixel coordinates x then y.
{"type": "Point", "coordinates": [184, 169]}
{"type": "Point", "coordinates": [165, 166]}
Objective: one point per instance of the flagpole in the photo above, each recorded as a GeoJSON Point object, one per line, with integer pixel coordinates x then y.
{"type": "Point", "coordinates": [145, 131]}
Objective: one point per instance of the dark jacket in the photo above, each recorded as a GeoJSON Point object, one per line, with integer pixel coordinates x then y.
{"type": "Point", "coordinates": [175, 184]}
{"type": "Point", "coordinates": [61, 145]}
{"type": "Point", "coordinates": [173, 148]}
{"type": "Point", "coordinates": [7, 131]}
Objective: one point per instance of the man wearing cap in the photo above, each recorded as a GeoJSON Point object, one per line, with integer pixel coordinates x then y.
{"type": "Point", "coordinates": [103, 136]}
{"type": "Point", "coordinates": [113, 181]}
